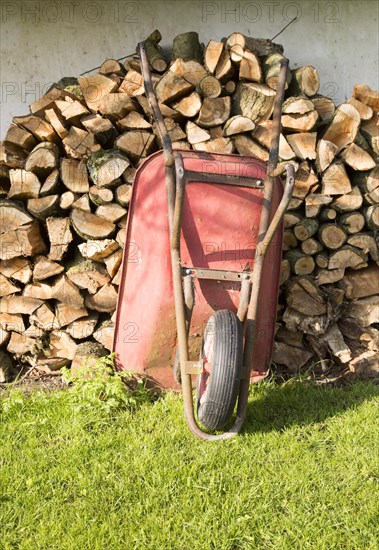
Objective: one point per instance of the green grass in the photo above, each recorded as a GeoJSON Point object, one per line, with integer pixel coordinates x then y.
{"type": "Point", "coordinates": [303, 475]}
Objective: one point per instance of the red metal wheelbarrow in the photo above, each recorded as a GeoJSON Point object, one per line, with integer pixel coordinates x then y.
{"type": "Point", "coordinates": [200, 273]}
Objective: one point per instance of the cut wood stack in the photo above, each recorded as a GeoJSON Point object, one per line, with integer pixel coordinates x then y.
{"type": "Point", "coordinates": [67, 168]}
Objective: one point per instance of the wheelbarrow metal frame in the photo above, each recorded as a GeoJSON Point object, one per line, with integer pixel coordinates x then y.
{"type": "Point", "coordinates": [176, 179]}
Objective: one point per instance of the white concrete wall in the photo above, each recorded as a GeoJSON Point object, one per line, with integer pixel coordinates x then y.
{"type": "Point", "coordinates": [43, 40]}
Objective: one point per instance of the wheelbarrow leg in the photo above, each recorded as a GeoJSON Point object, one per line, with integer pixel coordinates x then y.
{"type": "Point", "coordinates": [189, 300]}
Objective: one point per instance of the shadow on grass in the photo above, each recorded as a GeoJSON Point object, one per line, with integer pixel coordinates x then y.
{"type": "Point", "coordinates": [295, 403]}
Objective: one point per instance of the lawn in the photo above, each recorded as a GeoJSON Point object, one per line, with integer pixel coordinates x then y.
{"type": "Point", "coordinates": [303, 475]}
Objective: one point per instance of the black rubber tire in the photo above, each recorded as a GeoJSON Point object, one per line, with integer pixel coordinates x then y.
{"type": "Point", "coordinates": [216, 405]}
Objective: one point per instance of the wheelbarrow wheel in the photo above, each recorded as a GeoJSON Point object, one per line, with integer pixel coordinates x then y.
{"type": "Point", "coordinates": [217, 386]}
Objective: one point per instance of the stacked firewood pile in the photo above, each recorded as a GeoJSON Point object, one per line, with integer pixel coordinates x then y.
{"type": "Point", "coordinates": [66, 174]}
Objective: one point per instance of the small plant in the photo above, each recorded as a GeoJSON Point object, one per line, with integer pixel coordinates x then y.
{"type": "Point", "coordinates": [98, 384]}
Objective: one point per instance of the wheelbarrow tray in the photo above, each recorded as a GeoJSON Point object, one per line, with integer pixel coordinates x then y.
{"type": "Point", "coordinates": [219, 231]}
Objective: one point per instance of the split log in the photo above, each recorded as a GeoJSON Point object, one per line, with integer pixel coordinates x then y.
{"type": "Point", "coordinates": [12, 156]}
{"type": "Point", "coordinates": [297, 105]}
{"type": "Point", "coordinates": [83, 203]}
{"type": "Point", "coordinates": [104, 334]}
{"type": "Point", "coordinates": [348, 256]}
{"type": "Point", "coordinates": [357, 158]}
{"type": "Point", "coordinates": [62, 345]}
{"type": "Point", "coordinates": [102, 128]}
{"type": "Point", "coordinates": [60, 237]}
{"type": "Point", "coordinates": [314, 203]}
{"type": "Point", "coordinates": [111, 66]}
{"type": "Point", "coordinates": [365, 111]}
{"type": "Point", "coordinates": [41, 291]}
{"type": "Point", "coordinates": [82, 328]}
{"type": "Point", "coordinates": [51, 184]}
{"type": "Point", "coordinates": [290, 356]}
{"type": "Point", "coordinates": [360, 284]}
{"type": "Point", "coordinates": [113, 262]}
{"type": "Point", "coordinates": [335, 180]}
{"type": "Point", "coordinates": [45, 268]}
{"type": "Point", "coordinates": [190, 70]}
{"type": "Point", "coordinates": [291, 218]}
{"type": "Point", "coordinates": [303, 145]}
{"type": "Point", "coordinates": [26, 241]}
{"type": "Point", "coordinates": [217, 145]}
{"type": "Point", "coordinates": [301, 264]}
{"type": "Point", "coordinates": [88, 275]}
{"type": "Point", "coordinates": [71, 111]}
{"type": "Point", "coordinates": [366, 95]}
{"type": "Point", "coordinates": [305, 181]}
{"type": "Point", "coordinates": [212, 54]}
{"type": "Point", "coordinates": [172, 87]}
{"type": "Point", "coordinates": [116, 106]}
{"type": "Point", "coordinates": [365, 242]}
{"type": "Point", "coordinates": [105, 300]}
{"type": "Point", "coordinates": [19, 304]}
{"type": "Point", "coordinates": [136, 145]}
{"type": "Point", "coordinates": [248, 147]}
{"type": "Point", "coordinates": [195, 134]}
{"type": "Point", "coordinates": [325, 107]}
{"type": "Point", "coordinates": [250, 67]}
{"type": "Point", "coordinates": [262, 134]}
{"type": "Point", "coordinates": [56, 122]}
{"type": "Point", "coordinates": [43, 159]}
{"type": "Point", "coordinates": [39, 128]}
{"type": "Point", "coordinates": [98, 250]}
{"type": "Point", "coordinates": [19, 344]}
{"type": "Point", "coordinates": [337, 345]}
{"type": "Point", "coordinates": [44, 207]}
{"type": "Point", "coordinates": [44, 318]}
{"type": "Point", "coordinates": [79, 143]}
{"type": "Point", "coordinates": [255, 101]}
{"type": "Point", "coordinates": [89, 226]}
{"type": "Point", "coordinates": [237, 125]}
{"type": "Point", "coordinates": [304, 296]}
{"type": "Point", "coordinates": [370, 130]}
{"type": "Point", "coordinates": [305, 81]}
{"type": "Point", "coordinates": [329, 276]}
{"type": "Point", "coordinates": [133, 121]}
{"type": "Point", "coordinates": [66, 314]}
{"type": "Point", "coordinates": [24, 185]}
{"type": "Point", "coordinates": [365, 311]}
{"type": "Point", "coordinates": [111, 212]}
{"type": "Point", "coordinates": [20, 137]}
{"type": "Point", "coordinates": [7, 287]}
{"type": "Point", "coordinates": [18, 269]}
{"type": "Point", "coordinates": [300, 123]}
{"type": "Point", "coordinates": [343, 129]}
{"type": "Point", "coordinates": [123, 194]}
{"type": "Point", "coordinates": [225, 69]}
{"type": "Point", "coordinates": [94, 88]}
{"type": "Point", "coordinates": [12, 322]}
{"type": "Point", "coordinates": [67, 292]}
{"type": "Point", "coordinates": [104, 167]}
{"type": "Point", "coordinates": [190, 106]}
{"type": "Point", "coordinates": [285, 271]}
{"type": "Point", "coordinates": [214, 111]}
{"type": "Point", "coordinates": [350, 201]}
